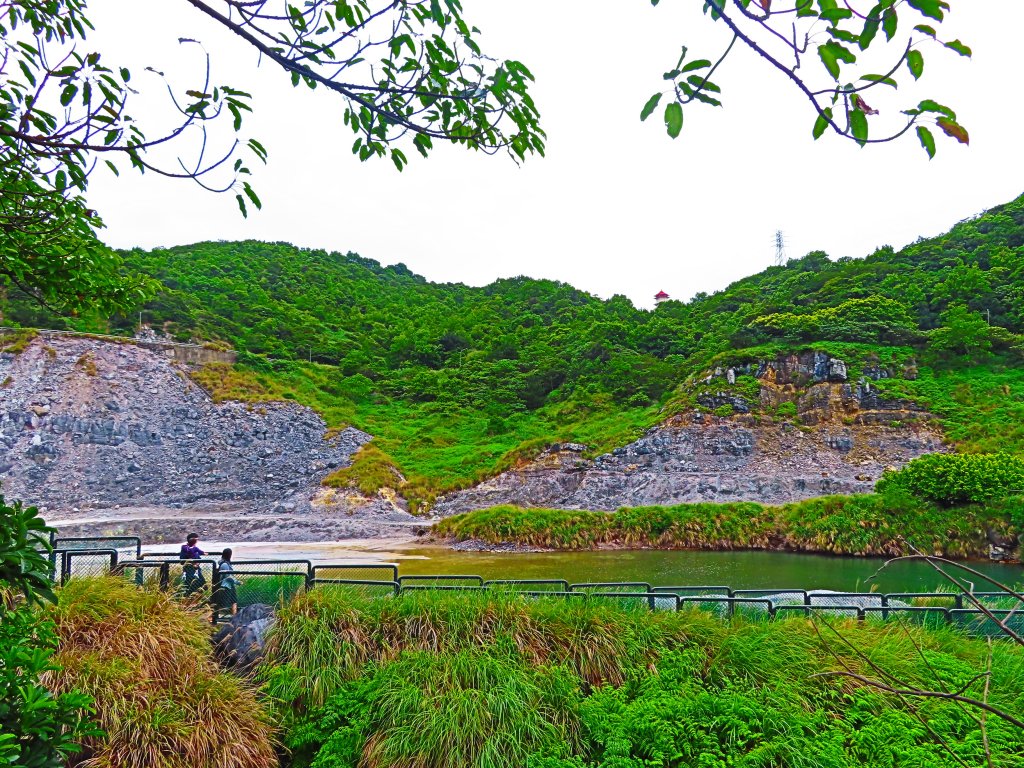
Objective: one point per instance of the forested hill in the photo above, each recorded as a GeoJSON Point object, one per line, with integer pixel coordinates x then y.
{"type": "Point", "coordinates": [479, 372]}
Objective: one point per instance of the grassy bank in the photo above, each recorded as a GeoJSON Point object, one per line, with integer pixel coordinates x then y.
{"type": "Point", "coordinates": [160, 698]}
{"type": "Point", "coordinates": [865, 524]}
{"type": "Point", "coordinates": [439, 680]}
{"type": "Point", "coordinates": [496, 680]}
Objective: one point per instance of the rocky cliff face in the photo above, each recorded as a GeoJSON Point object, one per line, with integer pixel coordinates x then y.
{"type": "Point", "coordinates": [843, 435]}
{"type": "Point", "coordinates": [88, 425]}
{"type": "Point", "coordinates": [115, 438]}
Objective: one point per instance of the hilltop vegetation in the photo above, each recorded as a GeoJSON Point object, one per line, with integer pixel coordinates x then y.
{"type": "Point", "coordinates": [458, 382]}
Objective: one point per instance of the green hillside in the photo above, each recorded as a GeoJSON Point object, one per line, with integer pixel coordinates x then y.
{"type": "Point", "coordinates": [457, 382]}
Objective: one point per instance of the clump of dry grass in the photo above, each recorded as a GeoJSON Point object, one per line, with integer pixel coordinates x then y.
{"type": "Point", "coordinates": [16, 341]}
{"type": "Point", "coordinates": [160, 698]}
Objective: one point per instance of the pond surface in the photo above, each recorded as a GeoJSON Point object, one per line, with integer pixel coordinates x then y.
{"type": "Point", "coordinates": [739, 570]}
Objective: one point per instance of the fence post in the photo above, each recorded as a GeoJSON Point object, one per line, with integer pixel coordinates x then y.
{"type": "Point", "coordinates": [165, 576]}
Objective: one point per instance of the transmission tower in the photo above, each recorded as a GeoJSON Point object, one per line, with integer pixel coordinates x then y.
{"type": "Point", "coordinates": [780, 248]}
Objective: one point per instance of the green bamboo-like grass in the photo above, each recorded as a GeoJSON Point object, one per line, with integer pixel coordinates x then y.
{"type": "Point", "coordinates": [160, 699]}
{"type": "Point", "coordinates": [498, 680]}
{"type": "Point", "coordinates": [865, 524]}
{"type": "Point", "coordinates": [446, 679]}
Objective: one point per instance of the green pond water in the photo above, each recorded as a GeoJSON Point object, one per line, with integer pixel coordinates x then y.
{"type": "Point", "coordinates": [739, 570]}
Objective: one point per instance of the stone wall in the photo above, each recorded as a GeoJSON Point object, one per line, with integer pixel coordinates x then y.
{"type": "Point", "coordinates": [190, 354]}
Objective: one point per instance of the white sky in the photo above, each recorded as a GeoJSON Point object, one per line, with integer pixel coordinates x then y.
{"type": "Point", "coordinates": [616, 206]}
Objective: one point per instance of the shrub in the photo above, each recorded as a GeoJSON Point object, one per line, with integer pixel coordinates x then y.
{"type": "Point", "coordinates": [951, 478]}
{"type": "Point", "coordinates": [786, 410]}
{"type": "Point", "coordinates": [725, 411]}
{"type": "Point", "coordinates": [37, 728]}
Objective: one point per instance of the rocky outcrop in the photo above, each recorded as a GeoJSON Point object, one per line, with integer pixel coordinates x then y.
{"type": "Point", "coordinates": [841, 439]}
{"type": "Point", "coordinates": [703, 458]}
{"type": "Point", "coordinates": [239, 643]}
{"type": "Point", "coordinates": [86, 425]}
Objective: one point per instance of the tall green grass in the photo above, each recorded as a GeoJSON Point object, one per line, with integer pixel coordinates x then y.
{"type": "Point", "coordinates": [865, 524]}
{"type": "Point", "coordinates": [493, 680]}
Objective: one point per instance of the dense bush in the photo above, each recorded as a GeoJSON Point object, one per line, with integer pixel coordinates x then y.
{"type": "Point", "coordinates": [873, 319]}
{"type": "Point", "coordinates": [492, 680]}
{"type": "Point", "coordinates": [949, 478]}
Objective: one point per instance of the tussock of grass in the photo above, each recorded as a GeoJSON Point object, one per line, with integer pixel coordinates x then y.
{"type": "Point", "coordinates": [160, 698]}
{"type": "Point", "coordinates": [16, 341]}
{"type": "Point", "coordinates": [485, 680]}
{"type": "Point", "coordinates": [866, 524]}
{"type": "Point", "coordinates": [370, 471]}
{"type": "Point", "coordinates": [470, 708]}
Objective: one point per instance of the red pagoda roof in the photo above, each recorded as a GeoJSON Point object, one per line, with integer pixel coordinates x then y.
{"type": "Point", "coordinates": [661, 295]}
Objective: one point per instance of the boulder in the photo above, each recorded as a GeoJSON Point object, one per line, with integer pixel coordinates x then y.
{"type": "Point", "coordinates": [239, 644]}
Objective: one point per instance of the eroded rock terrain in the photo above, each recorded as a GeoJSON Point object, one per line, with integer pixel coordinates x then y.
{"type": "Point", "coordinates": [841, 438]}
{"type": "Point", "coordinates": [97, 432]}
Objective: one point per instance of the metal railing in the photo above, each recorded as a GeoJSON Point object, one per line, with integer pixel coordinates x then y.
{"type": "Point", "coordinates": [275, 581]}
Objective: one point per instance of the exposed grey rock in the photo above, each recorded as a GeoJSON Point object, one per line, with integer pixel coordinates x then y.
{"type": "Point", "coordinates": [239, 643]}
{"type": "Point", "coordinates": [140, 433]}
{"type": "Point", "coordinates": [707, 459]}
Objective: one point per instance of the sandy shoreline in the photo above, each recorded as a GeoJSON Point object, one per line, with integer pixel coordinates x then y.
{"type": "Point", "coordinates": [228, 523]}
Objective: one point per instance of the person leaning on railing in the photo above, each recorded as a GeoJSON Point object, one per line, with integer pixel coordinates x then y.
{"type": "Point", "coordinates": [225, 597]}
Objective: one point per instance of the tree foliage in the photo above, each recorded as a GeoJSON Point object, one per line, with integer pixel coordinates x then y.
{"type": "Point", "coordinates": [959, 478]}
{"type": "Point", "coordinates": [838, 55]}
{"type": "Point", "coordinates": [37, 729]}
{"type": "Point", "coordinates": [409, 73]}
{"type": "Point", "coordinates": [458, 382]}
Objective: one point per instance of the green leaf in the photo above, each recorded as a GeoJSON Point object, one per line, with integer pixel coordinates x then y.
{"type": "Point", "coordinates": [859, 126]}
{"type": "Point", "coordinates": [674, 119]}
{"type": "Point", "coordinates": [927, 140]}
{"type": "Point", "coordinates": [959, 47]}
{"type": "Point", "coordinates": [931, 8]}
{"type": "Point", "coordinates": [832, 53]}
{"type": "Point", "coordinates": [915, 63]}
{"type": "Point", "coordinates": [870, 30]}
{"type": "Point", "coordinates": [890, 21]}
{"type": "Point", "coordinates": [804, 8]}
{"type": "Point", "coordinates": [241, 205]}
{"type": "Point", "coordinates": [884, 79]}
{"type": "Point", "coordinates": [251, 194]}
{"type": "Point", "coordinates": [650, 106]}
{"type": "Point", "coordinates": [696, 64]}
{"type": "Point", "coordinates": [933, 106]}
{"type": "Point", "coordinates": [821, 124]}
{"type": "Point", "coordinates": [68, 94]}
